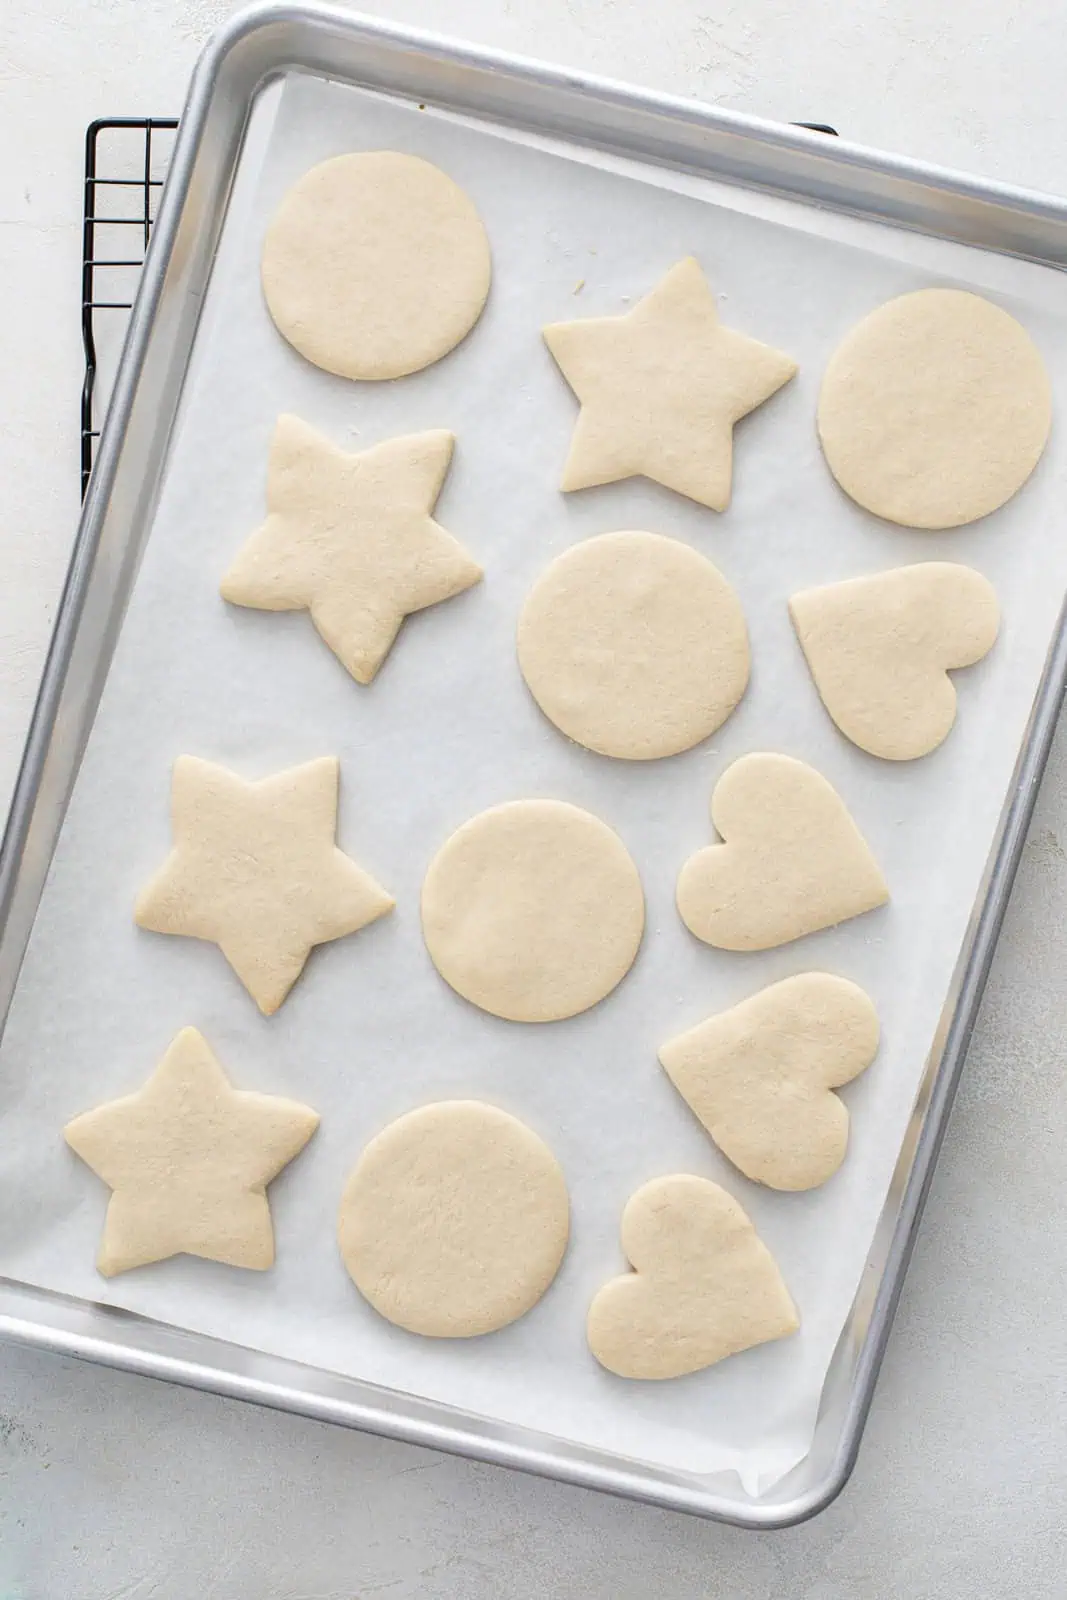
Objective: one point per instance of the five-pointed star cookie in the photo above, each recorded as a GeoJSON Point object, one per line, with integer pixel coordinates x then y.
{"type": "Point", "coordinates": [188, 1160]}
{"type": "Point", "coordinates": [350, 538]}
{"type": "Point", "coordinates": [661, 389]}
{"type": "Point", "coordinates": [255, 868]}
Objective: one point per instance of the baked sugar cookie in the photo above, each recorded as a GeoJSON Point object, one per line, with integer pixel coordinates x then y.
{"type": "Point", "coordinates": [880, 650]}
{"type": "Point", "coordinates": [704, 1285]}
{"type": "Point", "coordinates": [351, 540]}
{"type": "Point", "coordinates": [761, 1076]}
{"type": "Point", "coordinates": [634, 645]}
{"type": "Point", "coordinates": [791, 860]}
{"type": "Point", "coordinates": [188, 1159]}
{"type": "Point", "coordinates": [661, 388]}
{"type": "Point", "coordinates": [935, 409]}
{"type": "Point", "coordinates": [375, 265]}
{"type": "Point", "coordinates": [533, 910]}
{"type": "Point", "coordinates": [454, 1220]}
{"type": "Point", "coordinates": [255, 869]}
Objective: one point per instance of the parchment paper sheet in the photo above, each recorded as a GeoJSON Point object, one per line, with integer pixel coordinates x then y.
{"type": "Point", "coordinates": [448, 728]}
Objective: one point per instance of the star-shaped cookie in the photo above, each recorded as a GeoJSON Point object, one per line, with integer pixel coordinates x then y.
{"type": "Point", "coordinates": [256, 870]}
{"type": "Point", "coordinates": [188, 1160]}
{"type": "Point", "coordinates": [350, 539]}
{"type": "Point", "coordinates": [661, 389]}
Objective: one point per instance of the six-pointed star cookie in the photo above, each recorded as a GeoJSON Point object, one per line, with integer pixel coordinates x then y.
{"type": "Point", "coordinates": [255, 868]}
{"type": "Point", "coordinates": [350, 538]}
{"type": "Point", "coordinates": [661, 389]}
{"type": "Point", "coordinates": [188, 1160]}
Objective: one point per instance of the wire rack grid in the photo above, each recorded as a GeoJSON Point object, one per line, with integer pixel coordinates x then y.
{"type": "Point", "coordinates": [126, 160]}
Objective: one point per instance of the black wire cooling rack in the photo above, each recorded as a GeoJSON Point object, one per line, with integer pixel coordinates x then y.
{"type": "Point", "coordinates": [126, 160]}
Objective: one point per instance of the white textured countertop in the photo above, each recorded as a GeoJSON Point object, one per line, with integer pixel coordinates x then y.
{"type": "Point", "coordinates": [114, 1488]}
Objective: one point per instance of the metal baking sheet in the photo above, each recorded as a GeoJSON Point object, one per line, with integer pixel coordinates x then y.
{"type": "Point", "coordinates": [766, 1438]}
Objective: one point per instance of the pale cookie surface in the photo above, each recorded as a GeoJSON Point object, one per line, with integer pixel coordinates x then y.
{"type": "Point", "coordinates": [792, 860]}
{"type": "Point", "coordinates": [454, 1220]}
{"type": "Point", "coordinates": [533, 910]}
{"type": "Point", "coordinates": [761, 1076]}
{"type": "Point", "coordinates": [704, 1285]}
{"type": "Point", "coordinates": [934, 409]}
{"type": "Point", "coordinates": [351, 539]}
{"type": "Point", "coordinates": [634, 645]}
{"type": "Point", "coordinates": [375, 265]}
{"type": "Point", "coordinates": [256, 870]}
{"type": "Point", "coordinates": [880, 650]}
{"type": "Point", "coordinates": [661, 388]}
{"type": "Point", "coordinates": [188, 1160]}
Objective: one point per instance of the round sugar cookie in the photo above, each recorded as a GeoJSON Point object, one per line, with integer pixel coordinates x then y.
{"type": "Point", "coordinates": [533, 910]}
{"type": "Point", "coordinates": [454, 1220]}
{"type": "Point", "coordinates": [375, 265]}
{"type": "Point", "coordinates": [934, 410]}
{"type": "Point", "coordinates": [634, 645]}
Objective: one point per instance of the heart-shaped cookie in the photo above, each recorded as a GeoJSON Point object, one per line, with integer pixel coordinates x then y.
{"type": "Point", "coordinates": [761, 1076]}
{"type": "Point", "coordinates": [704, 1285]}
{"type": "Point", "coordinates": [792, 860]}
{"type": "Point", "coordinates": [880, 650]}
